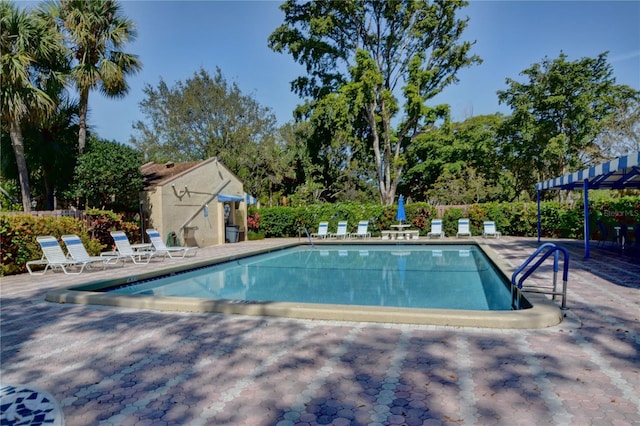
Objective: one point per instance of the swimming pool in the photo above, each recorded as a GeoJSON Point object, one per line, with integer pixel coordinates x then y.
{"type": "Point", "coordinates": [542, 312]}
{"type": "Point", "coordinates": [418, 276]}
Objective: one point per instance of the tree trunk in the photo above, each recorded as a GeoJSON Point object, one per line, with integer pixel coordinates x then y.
{"type": "Point", "coordinates": [23, 173]}
{"type": "Point", "coordinates": [82, 119]}
{"type": "Point", "coordinates": [386, 186]}
{"type": "Point", "coordinates": [383, 160]}
{"type": "Point", "coordinates": [383, 157]}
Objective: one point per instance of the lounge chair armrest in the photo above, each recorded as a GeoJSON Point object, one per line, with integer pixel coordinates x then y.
{"type": "Point", "coordinates": [142, 247]}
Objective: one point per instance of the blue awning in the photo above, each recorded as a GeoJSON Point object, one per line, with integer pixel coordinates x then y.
{"type": "Point", "coordinates": [621, 173]}
{"type": "Point", "coordinates": [250, 199]}
{"type": "Point", "coordinates": [224, 198]}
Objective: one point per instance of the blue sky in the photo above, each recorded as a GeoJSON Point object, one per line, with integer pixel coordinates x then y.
{"type": "Point", "coordinates": [176, 38]}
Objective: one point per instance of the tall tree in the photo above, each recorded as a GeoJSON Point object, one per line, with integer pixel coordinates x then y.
{"type": "Point", "coordinates": [26, 43]}
{"type": "Point", "coordinates": [205, 116]}
{"type": "Point", "coordinates": [96, 32]}
{"type": "Point", "coordinates": [557, 114]}
{"type": "Point", "coordinates": [366, 54]}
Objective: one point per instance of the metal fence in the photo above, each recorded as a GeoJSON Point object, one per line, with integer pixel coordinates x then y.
{"type": "Point", "coordinates": [78, 214]}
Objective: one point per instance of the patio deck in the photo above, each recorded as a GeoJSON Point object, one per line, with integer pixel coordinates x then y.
{"type": "Point", "coordinates": [120, 366]}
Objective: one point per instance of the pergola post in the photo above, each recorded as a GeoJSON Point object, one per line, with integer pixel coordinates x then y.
{"type": "Point", "coordinates": [586, 218]}
{"type": "Point", "coordinates": [539, 224]}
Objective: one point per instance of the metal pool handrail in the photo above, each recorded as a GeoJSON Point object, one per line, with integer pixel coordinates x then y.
{"type": "Point", "coordinates": [517, 286]}
{"type": "Point", "coordinates": [302, 228]}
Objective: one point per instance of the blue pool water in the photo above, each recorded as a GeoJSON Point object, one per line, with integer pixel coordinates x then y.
{"type": "Point", "coordinates": [410, 276]}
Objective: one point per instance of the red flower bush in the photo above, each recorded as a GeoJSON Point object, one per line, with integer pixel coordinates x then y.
{"type": "Point", "coordinates": [253, 222]}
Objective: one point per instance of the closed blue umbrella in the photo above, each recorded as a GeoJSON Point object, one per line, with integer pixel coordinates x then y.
{"type": "Point", "coordinates": [401, 215]}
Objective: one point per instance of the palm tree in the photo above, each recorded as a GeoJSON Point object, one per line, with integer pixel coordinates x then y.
{"type": "Point", "coordinates": [96, 31]}
{"type": "Point", "coordinates": [26, 43]}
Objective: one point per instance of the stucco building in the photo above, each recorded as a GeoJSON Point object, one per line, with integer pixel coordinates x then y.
{"type": "Point", "coordinates": [199, 203]}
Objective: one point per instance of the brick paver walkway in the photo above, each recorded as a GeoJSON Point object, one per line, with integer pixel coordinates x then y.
{"type": "Point", "coordinates": [117, 366]}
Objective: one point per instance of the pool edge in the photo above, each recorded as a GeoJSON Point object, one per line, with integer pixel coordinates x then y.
{"type": "Point", "coordinates": [544, 313]}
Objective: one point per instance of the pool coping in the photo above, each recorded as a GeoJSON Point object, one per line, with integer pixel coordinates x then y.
{"type": "Point", "coordinates": [544, 312]}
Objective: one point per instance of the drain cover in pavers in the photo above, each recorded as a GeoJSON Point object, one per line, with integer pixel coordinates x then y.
{"type": "Point", "coordinates": [28, 405]}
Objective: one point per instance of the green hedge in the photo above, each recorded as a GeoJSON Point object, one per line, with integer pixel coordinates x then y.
{"type": "Point", "coordinates": [516, 219]}
{"type": "Point", "coordinates": [287, 221]}
{"type": "Point", "coordinates": [18, 232]}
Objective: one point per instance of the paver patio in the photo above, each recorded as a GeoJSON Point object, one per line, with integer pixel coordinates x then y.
{"type": "Point", "coordinates": [120, 366]}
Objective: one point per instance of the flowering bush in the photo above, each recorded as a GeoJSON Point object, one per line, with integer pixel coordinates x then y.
{"type": "Point", "coordinates": [253, 222]}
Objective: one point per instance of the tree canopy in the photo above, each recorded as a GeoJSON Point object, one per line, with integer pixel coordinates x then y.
{"type": "Point", "coordinates": [557, 114]}
{"type": "Point", "coordinates": [29, 47]}
{"type": "Point", "coordinates": [96, 32]}
{"type": "Point", "coordinates": [364, 126]}
{"type": "Point", "coordinates": [108, 176]}
{"type": "Point", "coordinates": [43, 49]}
{"type": "Point", "coordinates": [369, 65]}
{"type": "Point", "coordinates": [205, 116]}
{"type": "Point", "coordinates": [457, 163]}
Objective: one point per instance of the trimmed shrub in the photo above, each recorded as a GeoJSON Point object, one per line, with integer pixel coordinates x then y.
{"type": "Point", "coordinates": [450, 221]}
{"type": "Point", "coordinates": [18, 234]}
{"type": "Point", "coordinates": [18, 243]}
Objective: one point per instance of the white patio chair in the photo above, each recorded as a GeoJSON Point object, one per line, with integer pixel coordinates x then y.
{"type": "Point", "coordinates": [436, 229]}
{"type": "Point", "coordinates": [172, 252]}
{"type": "Point", "coordinates": [341, 232]}
{"type": "Point", "coordinates": [123, 248]}
{"type": "Point", "coordinates": [77, 251]}
{"type": "Point", "coordinates": [53, 257]}
{"type": "Point", "coordinates": [323, 230]}
{"type": "Point", "coordinates": [362, 231]}
{"type": "Point", "coordinates": [490, 230]}
{"type": "Point", "coordinates": [463, 228]}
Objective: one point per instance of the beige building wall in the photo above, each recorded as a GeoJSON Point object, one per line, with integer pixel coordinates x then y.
{"type": "Point", "coordinates": [187, 204]}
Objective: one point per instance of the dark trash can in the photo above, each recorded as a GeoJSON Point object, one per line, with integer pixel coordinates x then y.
{"type": "Point", "coordinates": [232, 232]}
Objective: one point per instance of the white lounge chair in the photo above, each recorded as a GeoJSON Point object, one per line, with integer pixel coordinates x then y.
{"type": "Point", "coordinates": [436, 229]}
{"type": "Point", "coordinates": [463, 228]}
{"type": "Point", "coordinates": [124, 249]}
{"type": "Point", "coordinates": [323, 230]}
{"type": "Point", "coordinates": [53, 258]}
{"type": "Point", "coordinates": [341, 232]}
{"type": "Point", "coordinates": [173, 252]}
{"type": "Point", "coordinates": [78, 252]}
{"type": "Point", "coordinates": [490, 230]}
{"type": "Point", "coordinates": [362, 231]}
